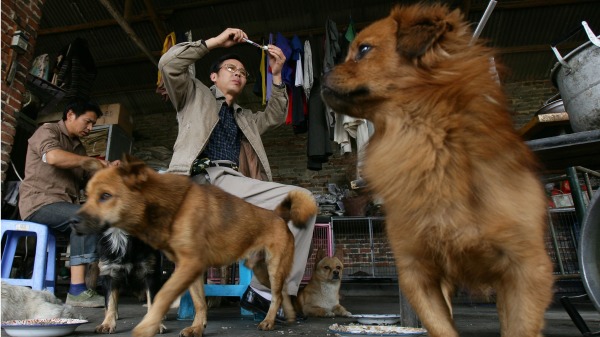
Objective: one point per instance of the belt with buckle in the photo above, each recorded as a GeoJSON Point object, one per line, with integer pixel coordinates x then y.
{"type": "Point", "coordinates": [200, 164]}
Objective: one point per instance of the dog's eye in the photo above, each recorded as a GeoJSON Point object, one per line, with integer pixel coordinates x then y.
{"type": "Point", "coordinates": [105, 197]}
{"type": "Point", "coordinates": [327, 268]}
{"type": "Point", "coordinates": [363, 50]}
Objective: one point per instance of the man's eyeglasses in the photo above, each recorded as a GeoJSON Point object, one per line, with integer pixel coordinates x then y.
{"type": "Point", "coordinates": [232, 69]}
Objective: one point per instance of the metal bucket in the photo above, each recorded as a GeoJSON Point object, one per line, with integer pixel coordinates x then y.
{"type": "Point", "coordinates": [577, 77]}
{"type": "Point", "coordinates": [589, 251]}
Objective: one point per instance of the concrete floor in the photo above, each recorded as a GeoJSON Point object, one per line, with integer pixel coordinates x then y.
{"type": "Point", "coordinates": [472, 319]}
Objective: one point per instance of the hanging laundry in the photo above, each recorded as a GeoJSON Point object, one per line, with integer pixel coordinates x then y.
{"type": "Point", "coordinates": [170, 41]}
{"type": "Point", "coordinates": [297, 51]}
{"type": "Point", "coordinates": [307, 75]}
{"type": "Point", "coordinates": [287, 72]}
{"type": "Point", "coordinates": [332, 46]}
{"type": "Point", "coordinates": [318, 143]}
{"type": "Point", "coordinates": [260, 88]}
{"type": "Point", "coordinates": [350, 31]}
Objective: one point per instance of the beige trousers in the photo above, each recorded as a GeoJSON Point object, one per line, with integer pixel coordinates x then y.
{"type": "Point", "coordinates": [267, 195]}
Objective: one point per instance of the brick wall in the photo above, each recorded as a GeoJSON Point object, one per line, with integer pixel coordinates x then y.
{"type": "Point", "coordinates": [367, 253]}
{"type": "Point", "coordinates": [287, 151]}
{"type": "Point", "coordinates": [526, 98]}
{"type": "Point", "coordinates": [21, 15]}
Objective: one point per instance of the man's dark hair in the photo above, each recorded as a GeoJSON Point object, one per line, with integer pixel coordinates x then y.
{"type": "Point", "coordinates": [80, 107]}
{"type": "Point", "coordinates": [214, 68]}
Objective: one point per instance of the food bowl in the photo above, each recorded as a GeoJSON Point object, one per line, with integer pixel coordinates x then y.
{"type": "Point", "coordinates": [377, 319]}
{"type": "Point", "coordinates": [42, 327]}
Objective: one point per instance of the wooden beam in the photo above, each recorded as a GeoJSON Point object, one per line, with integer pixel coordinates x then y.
{"type": "Point", "coordinates": [126, 60]}
{"type": "Point", "coordinates": [127, 9]}
{"type": "Point", "coordinates": [90, 25]}
{"type": "Point", "coordinates": [128, 30]}
{"type": "Point", "coordinates": [536, 48]}
{"type": "Point", "coordinates": [159, 25]}
{"type": "Point", "coordinates": [524, 4]}
{"type": "Point", "coordinates": [125, 90]}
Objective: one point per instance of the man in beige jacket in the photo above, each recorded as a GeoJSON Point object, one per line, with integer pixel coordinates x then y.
{"type": "Point", "coordinates": [220, 143]}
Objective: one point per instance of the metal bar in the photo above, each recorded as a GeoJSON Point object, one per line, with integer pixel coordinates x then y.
{"type": "Point", "coordinates": [555, 244]}
{"type": "Point", "coordinates": [372, 241]}
{"type": "Point", "coordinates": [576, 193]}
{"type": "Point", "coordinates": [586, 170]}
{"type": "Point", "coordinates": [574, 314]}
{"type": "Point", "coordinates": [484, 19]}
{"type": "Point", "coordinates": [588, 185]}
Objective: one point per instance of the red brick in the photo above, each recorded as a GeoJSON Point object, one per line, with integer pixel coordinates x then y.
{"type": "Point", "coordinates": [6, 137]}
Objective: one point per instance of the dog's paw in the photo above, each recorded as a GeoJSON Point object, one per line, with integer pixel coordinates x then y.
{"type": "Point", "coordinates": [145, 330]}
{"type": "Point", "coordinates": [329, 314]}
{"type": "Point", "coordinates": [267, 325]}
{"type": "Point", "coordinates": [162, 328]}
{"type": "Point", "coordinates": [105, 328]}
{"type": "Point", "coordinates": [192, 331]}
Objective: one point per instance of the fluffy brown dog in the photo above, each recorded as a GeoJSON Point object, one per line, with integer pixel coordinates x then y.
{"type": "Point", "coordinates": [321, 296]}
{"type": "Point", "coordinates": [196, 226]}
{"type": "Point", "coordinates": [463, 204]}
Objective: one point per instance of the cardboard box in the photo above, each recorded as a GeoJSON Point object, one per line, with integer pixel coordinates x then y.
{"type": "Point", "coordinates": [49, 118]}
{"type": "Point", "coordinates": [116, 114]}
{"type": "Point", "coordinates": [95, 143]}
{"type": "Point", "coordinates": [113, 113]}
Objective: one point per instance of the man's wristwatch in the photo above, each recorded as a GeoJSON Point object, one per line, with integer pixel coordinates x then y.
{"type": "Point", "coordinates": [280, 85]}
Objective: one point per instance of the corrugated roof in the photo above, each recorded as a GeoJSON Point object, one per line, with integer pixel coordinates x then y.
{"type": "Point", "coordinates": [522, 30]}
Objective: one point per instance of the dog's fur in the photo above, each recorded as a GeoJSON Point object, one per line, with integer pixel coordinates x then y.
{"type": "Point", "coordinates": [321, 296]}
{"type": "Point", "coordinates": [195, 226]}
{"type": "Point", "coordinates": [463, 204]}
{"type": "Point", "coordinates": [126, 263]}
{"type": "Point", "coordinates": [19, 303]}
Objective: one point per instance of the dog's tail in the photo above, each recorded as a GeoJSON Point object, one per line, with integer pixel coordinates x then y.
{"type": "Point", "coordinates": [299, 207]}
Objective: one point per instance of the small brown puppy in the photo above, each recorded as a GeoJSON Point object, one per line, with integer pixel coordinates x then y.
{"type": "Point", "coordinates": [321, 296]}
{"type": "Point", "coordinates": [463, 203]}
{"type": "Point", "coordinates": [196, 226]}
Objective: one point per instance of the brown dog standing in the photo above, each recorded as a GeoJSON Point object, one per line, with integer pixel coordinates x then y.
{"type": "Point", "coordinates": [463, 204]}
{"type": "Point", "coordinates": [321, 296]}
{"type": "Point", "coordinates": [196, 226]}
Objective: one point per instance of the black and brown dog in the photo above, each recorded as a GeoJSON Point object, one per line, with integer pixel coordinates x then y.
{"type": "Point", "coordinates": [126, 263]}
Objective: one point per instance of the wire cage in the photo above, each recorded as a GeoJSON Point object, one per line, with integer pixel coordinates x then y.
{"type": "Point", "coordinates": [562, 240]}
{"type": "Point", "coordinates": [367, 254]}
{"type": "Point", "coordinates": [322, 239]}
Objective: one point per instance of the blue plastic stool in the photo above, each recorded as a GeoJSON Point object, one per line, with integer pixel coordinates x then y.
{"type": "Point", "coordinates": [186, 309]}
{"type": "Point", "coordinates": [45, 254]}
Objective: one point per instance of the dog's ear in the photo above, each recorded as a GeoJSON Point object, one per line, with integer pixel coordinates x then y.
{"type": "Point", "coordinates": [133, 171]}
{"type": "Point", "coordinates": [339, 253]}
{"type": "Point", "coordinates": [419, 30]}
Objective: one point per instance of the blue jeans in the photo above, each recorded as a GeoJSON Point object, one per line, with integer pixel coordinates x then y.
{"type": "Point", "coordinates": [56, 216]}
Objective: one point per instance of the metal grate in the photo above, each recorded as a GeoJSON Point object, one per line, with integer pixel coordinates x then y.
{"type": "Point", "coordinates": [561, 240]}
{"type": "Point", "coordinates": [366, 249]}
{"type": "Point", "coordinates": [322, 239]}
